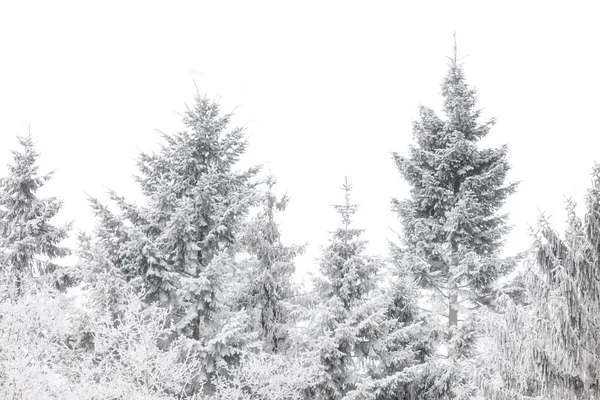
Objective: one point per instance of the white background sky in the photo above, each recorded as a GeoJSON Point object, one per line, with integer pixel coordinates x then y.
{"type": "Point", "coordinates": [325, 88]}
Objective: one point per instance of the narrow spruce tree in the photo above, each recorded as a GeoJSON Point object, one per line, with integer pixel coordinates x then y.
{"type": "Point", "coordinates": [371, 340]}
{"type": "Point", "coordinates": [349, 277]}
{"type": "Point", "coordinates": [350, 272]}
{"type": "Point", "coordinates": [270, 269]}
{"type": "Point", "coordinates": [453, 232]}
{"type": "Point", "coordinates": [546, 342]}
{"type": "Point", "coordinates": [28, 239]}
{"type": "Point", "coordinates": [179, 247]}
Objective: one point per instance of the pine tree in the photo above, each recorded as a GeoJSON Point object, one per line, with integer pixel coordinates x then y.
{"type": "Point", "coordinates": [28, 240]}
{"type": "Point", "coordinates": [179, 247]}
{"type": "Point", "coordinates": [349, 278]}
{"type": "Point", "coordinates": [547, 346]}
{"type": "Point", "coordinates": [271, 271]}
{"type": "Point", "coordinates": [453, 232]}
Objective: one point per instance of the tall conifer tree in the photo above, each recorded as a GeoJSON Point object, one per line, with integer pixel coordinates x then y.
{"type": "Point", "coordinates": [28, 239]}
{"type": "Point", "coordinates": [179, 247]}
{"type": "Point", "coordinates": [547, 345]}
{"type": "Point", "coordinates": [271, 271]}
{"type": "Point", "coordinates": [453, 232]}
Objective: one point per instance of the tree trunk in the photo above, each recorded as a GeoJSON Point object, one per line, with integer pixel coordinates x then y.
{"type": "Point", "coordinates": [196, 328]}
{"type": "Point", "coordinates": [19, 283]}
{"type": "Point", "coordinates": [452, 312]}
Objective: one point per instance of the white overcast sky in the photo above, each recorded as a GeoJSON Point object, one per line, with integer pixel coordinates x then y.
{"type": "Point", "coordinates": [325, 89]}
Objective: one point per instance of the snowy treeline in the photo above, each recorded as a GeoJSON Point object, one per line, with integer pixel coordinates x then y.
{"type": "Point", "coordinates": [191, 295]}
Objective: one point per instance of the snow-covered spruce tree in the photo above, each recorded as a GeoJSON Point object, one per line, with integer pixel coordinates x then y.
{"type": "Point", "coordinates": [453, 232]}
{"type": "Point", "coordinates": [394, 347]}
{"type": "Point", "coordinates": [548, 346]}
{"type": "Point", "coordinates": [178, 248]}
{"type": "Point", "coordinates": [28, 240]}
{"type": "Point", "coordinates": [349, 278]}
{"type": "Point", "coordinates": [270, 269]}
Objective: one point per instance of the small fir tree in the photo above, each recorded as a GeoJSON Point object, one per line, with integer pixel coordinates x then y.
{"type": "Point", "coordinates": [28, 240]}
{"type": "Point", "coordinates": [349, 278]}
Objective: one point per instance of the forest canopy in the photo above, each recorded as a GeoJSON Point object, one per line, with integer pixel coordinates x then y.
{"type": "Point", "coordinates": [190, 293]}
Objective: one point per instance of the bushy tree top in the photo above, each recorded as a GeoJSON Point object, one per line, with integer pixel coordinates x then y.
{"type": "Point", "coordinates": [350, 272]}
{"type": "Point", "coordinates": [27, 234]}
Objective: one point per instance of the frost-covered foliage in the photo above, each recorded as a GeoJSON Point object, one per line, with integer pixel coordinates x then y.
{"type": "Point", "coordinates": [52, 349]}
{"type": "Point", "coordinates": [34, 358]}
{"type": "Point", "coordinates": [28, 239]}
{"type": "Point", "coordinates": [452, 230]}
{"type": "Point", "coordinates": [267, 377]}
{"type": "Point", "coordinates": [395, 345]}
{"type": "Point", "coordinates": [270, 270]}
{"type": "Point", "coordinates": [548, 346]}
{"type": "Point", "coordinates": [128, 358]}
